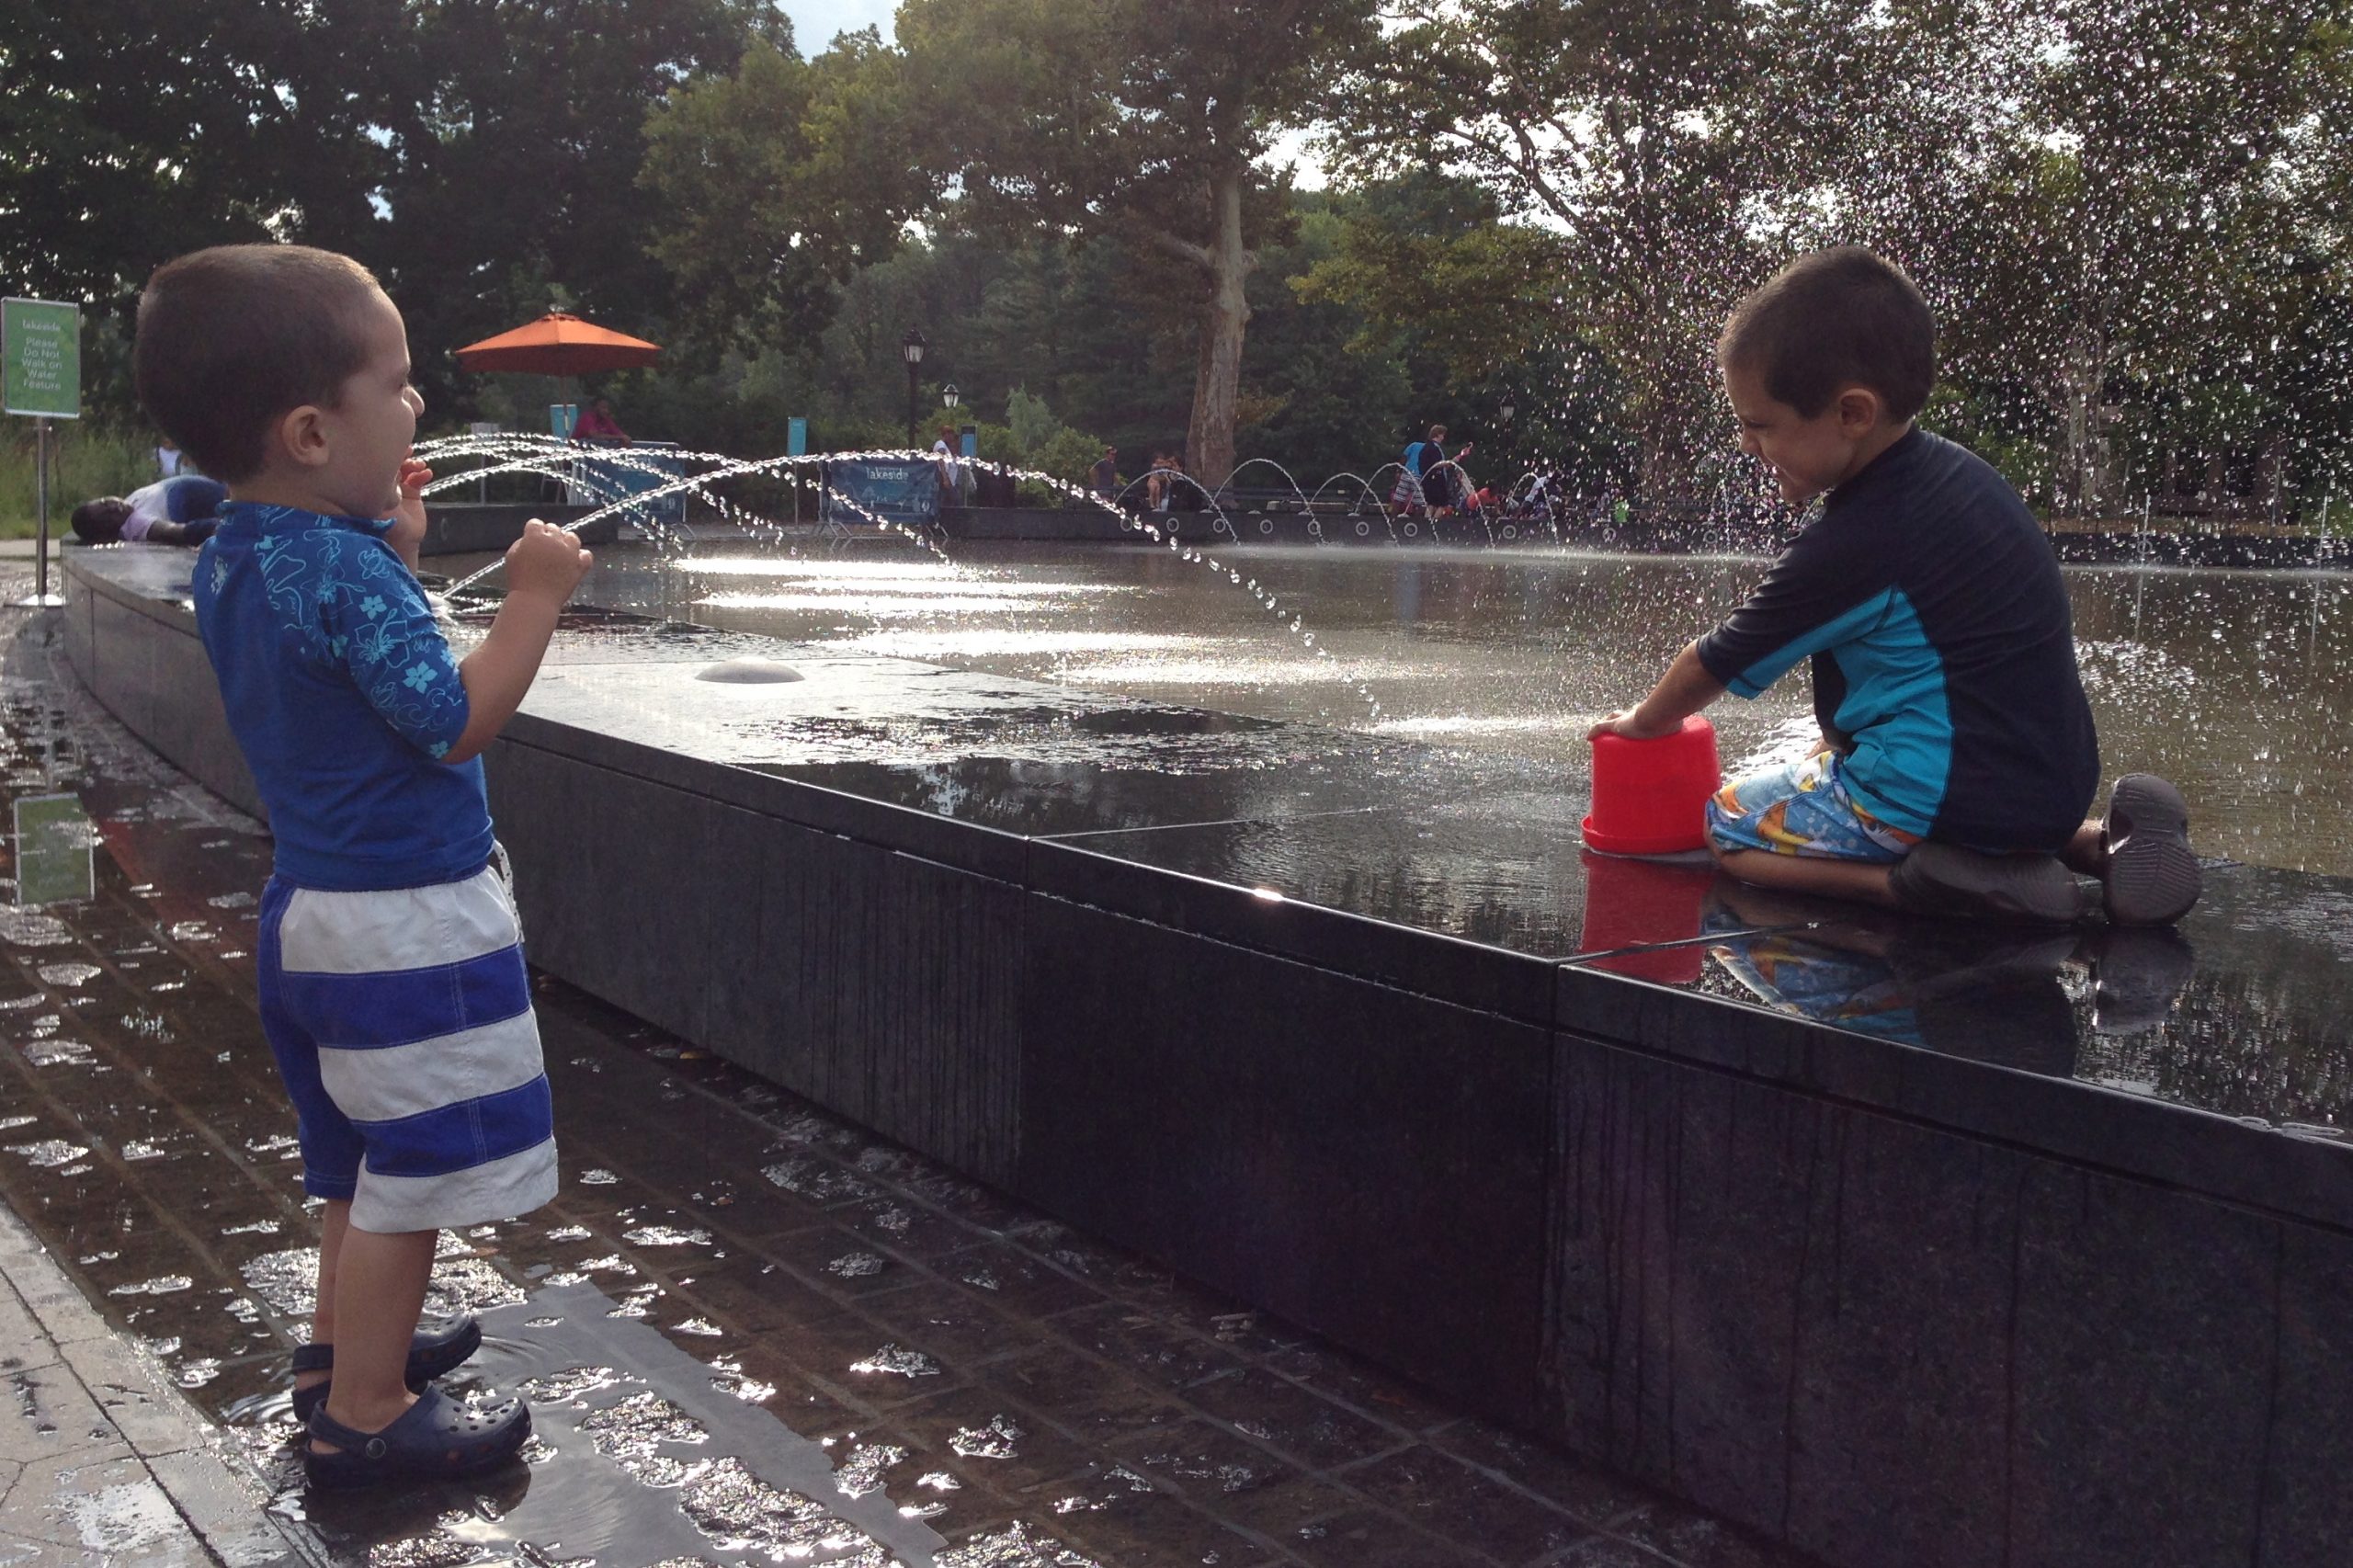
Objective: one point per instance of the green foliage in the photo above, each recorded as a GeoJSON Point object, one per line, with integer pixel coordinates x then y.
{"type": "Point", "coordinates": [86, 460]}
{"type": "Point", "coordinates": [776, 182]}
{"type": "Point", "coordinates": [1031, 422]}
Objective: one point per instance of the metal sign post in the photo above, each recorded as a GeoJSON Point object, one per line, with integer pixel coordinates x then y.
{"type": "Point", "coordinates": [41, 374]}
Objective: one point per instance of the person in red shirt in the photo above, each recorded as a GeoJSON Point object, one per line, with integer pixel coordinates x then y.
{"type": "Point", "coordinates": [596, 423]}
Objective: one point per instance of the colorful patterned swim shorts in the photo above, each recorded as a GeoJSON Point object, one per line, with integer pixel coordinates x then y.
{"type": "Point", "coordinates": [1802, 808]}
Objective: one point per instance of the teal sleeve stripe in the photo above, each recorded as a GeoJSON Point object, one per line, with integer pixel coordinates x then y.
{"type": "Point", "coordinates": [1752, 681]}
{"type": "Point", "coordinates": [1897, 710]}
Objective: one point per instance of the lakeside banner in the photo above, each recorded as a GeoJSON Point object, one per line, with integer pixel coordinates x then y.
{"type": "Point", "coordinates": [897, 489]}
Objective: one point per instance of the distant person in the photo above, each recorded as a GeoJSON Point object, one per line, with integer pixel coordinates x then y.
{"type": "Point", "coordinates": [1958, 756]}
{"type": "Point", "coordinates": [950, 472]}
{"type": "Point", "coordinates": [392, 989]}
{"type": "Point", "coordinates": [1424, 483]}
{"type": "Point", "coordinates": [596, 423]}
{"type": "Point", "coordinates": [170, 463]}
{"type": "Point", "coordinates": [1159, 489]}
{"type": "Point", "coordinates": [184, 510]}
{"type": "Point", "coordinates": [1106, 474]}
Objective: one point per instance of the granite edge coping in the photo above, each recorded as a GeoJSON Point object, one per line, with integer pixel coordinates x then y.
{"type": "Point", "coordinates": [2250, 1164]}
{"type": "Point", "coordinates": [2242, 1161]}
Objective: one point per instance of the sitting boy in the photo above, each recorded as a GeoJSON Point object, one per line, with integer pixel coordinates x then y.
{"type": "Point", "coordinates": [182, 509]}
{"type": "Point", "coordinates": [1958, 754]}
{"type": "Point", "coordinates": [391, 968]}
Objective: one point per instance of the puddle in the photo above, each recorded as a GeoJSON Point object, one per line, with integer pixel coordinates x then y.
{"type": "Point", "coordinates": [27, 929]}
{"type": "Point", "coordinates": [904, 1363]}
{"type": "Point", "coordinates": [855, 1266]}
{"type": "Point", "coordinates": [161, 1285]}
{"type": "Point", "coordinates": [862, 1472]}
{"type": "Point", "coordinates": [665, 1236]}
{"type": "Point", "coordinates": [141, 1149]}
{"type": "Point", "coordinates": [597, 1179]}
{"type": "Point", "coordinates": [120, 1518]}
{"type": "Point", "coordinates": [703, 1326]}
{"type": "Point", "coordinates": [49, 1151]}
{"type": "Point", "coordinates": [816, 1180]}
{"type": "Point", "coordinates": [740, 1512]}
{"type": "Point", "coordinates": [1013, 1548]}
{"type": "Point", "coordinates": [59, 1053]}
{"type": "Point", "coordinates": [288, 1281]}
{"type": "Point", "coordinates": [68, 974]}
{"type": "Point", "coordinates": [993, 1441]}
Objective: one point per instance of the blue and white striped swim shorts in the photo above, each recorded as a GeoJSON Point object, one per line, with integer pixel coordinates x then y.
{"type": "Point", "coordinates": [401, 1024]}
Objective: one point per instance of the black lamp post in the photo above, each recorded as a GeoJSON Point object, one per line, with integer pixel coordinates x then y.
{"type": "Point", "coordinates": [910, 350]}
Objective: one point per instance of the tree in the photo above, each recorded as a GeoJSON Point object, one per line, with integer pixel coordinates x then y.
{"type": "Point", "coordinates": [776, 183]}
{"type": "Point", "coordinates": [1628, 133]}
{"type": "Point", "coordinates": [1135, 120]}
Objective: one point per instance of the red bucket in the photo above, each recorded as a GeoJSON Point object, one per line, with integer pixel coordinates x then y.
{"type": "Point", "coordinates": [1649, 797]}
{"type": "Point", "coordinates": [1635, 904]}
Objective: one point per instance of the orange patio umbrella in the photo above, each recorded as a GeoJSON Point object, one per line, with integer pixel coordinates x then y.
{"type": "Point", "coordinates": [559, 344]}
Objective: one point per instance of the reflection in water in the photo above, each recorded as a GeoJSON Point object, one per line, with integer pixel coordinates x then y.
{"type": "Point", "coordinates": [2222, 681]}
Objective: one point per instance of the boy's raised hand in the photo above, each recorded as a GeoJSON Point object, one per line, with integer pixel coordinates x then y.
{"type": "Point", "coordinates": [546, 562]}
{"type": "Point", "coordinates": [407, 533]}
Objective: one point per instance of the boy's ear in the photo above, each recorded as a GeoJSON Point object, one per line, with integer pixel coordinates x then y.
{"type": "Point", "coordinates": [302, 435]}
{"type": "Point", "coordinates": [1860, 411]}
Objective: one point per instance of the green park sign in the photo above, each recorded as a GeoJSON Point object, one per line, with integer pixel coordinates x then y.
{"type": "Point", "coordinates": [40, 358]}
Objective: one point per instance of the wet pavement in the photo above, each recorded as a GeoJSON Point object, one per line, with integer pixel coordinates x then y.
{"type": "Point", "coordinates": [751, 1331]}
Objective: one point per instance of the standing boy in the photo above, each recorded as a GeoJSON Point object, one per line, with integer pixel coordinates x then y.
{"type": "Point", "coordinates": [390, 966]}
{"type": "Point", "coordinates": [1958, 754]}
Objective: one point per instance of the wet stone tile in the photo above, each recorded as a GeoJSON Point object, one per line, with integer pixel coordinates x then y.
{"type": "Point", "coordinates": [1096, 1402]}
{"type": "Point", "coordinates": [1374, 1541]}
{"type": "Point", "coordinates": [1361, 1386]}
{"type": "Point", "coordinates": [1444, 1495]}
{"type": "Point", "coordinates": [982, 1433]}
{"type": "Point", "coordinates": [1204, 1462]}
{"type": "Point", "coordinates": [1015, 1280]}
{"type": "Point", "coordinates": [1588, 1494]}
{"type": "Point", "coordinates": [1160, 1354]}
{"type": "Point", "coordinates": [1116, 1519]}
{"type": "Point", "coordinates": [1311, 1429]}
{"type": "Point", "coordinates": [957, 1330]}
{"type": "Point", "coordinates": [906, 1229]}
{"type": "Point", "coordinates": [1686, 1539]}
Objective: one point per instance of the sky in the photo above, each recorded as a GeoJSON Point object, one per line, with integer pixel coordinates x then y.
{"type": "Point", "coordinates": [814, 22]}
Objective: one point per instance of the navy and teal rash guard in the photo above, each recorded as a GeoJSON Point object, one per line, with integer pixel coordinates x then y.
{"type": "Point", "coordinates": [1944, 658]}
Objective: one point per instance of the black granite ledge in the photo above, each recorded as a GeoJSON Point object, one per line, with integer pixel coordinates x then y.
{"type": "Point", "coordinates": [1293, 842]}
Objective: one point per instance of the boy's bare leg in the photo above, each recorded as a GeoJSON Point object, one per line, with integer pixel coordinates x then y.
{"type": "Point", "coordinates": [2086, 853]}
{"type": "Point", "coordinates": [333, 1225]}
{"type": "Point", "coordinates": [1849, 880]}
{"type": "Point", "coordinates": [379, 1294]}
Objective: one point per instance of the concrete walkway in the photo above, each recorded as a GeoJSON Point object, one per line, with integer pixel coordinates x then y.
{"type": "Point", "coordinates": [102, 1463]}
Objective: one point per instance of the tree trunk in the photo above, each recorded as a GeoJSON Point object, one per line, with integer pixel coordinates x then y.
{"type": "Point", "coordinates": [1225, 313]}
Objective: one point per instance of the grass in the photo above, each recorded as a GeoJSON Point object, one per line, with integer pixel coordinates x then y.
{"type": "Point", "coordinates": [85, 461]}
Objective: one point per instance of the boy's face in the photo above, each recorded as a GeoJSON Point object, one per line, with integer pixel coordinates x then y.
{"type": "Point", "coordinates": [372, 425]}
{"type": "Point", "coordinates": [1807, 456]}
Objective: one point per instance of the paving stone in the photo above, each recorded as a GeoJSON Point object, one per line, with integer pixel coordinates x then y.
{"type": "Point", "coordinates": [1443, 1495]}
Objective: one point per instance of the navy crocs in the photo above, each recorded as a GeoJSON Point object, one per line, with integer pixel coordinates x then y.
{"type": "Point", "coordinates": [439, 1438]}
{"type": "Point", "coordinates": [431, 1353]}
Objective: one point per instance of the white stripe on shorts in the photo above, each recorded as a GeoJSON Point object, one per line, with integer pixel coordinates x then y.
{"type": "Point", "coordinates": [396, 928]}
{"type": "Point", "coordinates": [404, 1080]}
{"type": "Point", "coordinates": [498, 1190]}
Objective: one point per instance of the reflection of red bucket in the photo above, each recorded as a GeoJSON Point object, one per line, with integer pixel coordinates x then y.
{"type": "Point", "coordinates": [1630, 902]}
{"type": "Point", "coordinates": [1649, 795]}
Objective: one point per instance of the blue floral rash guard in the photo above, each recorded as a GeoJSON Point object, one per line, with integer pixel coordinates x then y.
{"type": "Point", "coordinates": [343, 695]}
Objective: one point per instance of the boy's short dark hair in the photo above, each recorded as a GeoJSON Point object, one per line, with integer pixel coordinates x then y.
{"type": "Point", "coordinates": [231, 337]}
{"type": "Point", "coordinates": [1838, 318]}
{"type": "Point", "coordinates": [100, 521]}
